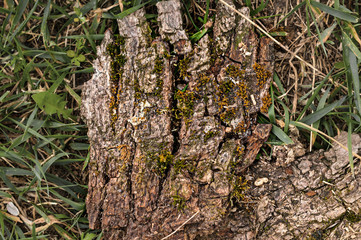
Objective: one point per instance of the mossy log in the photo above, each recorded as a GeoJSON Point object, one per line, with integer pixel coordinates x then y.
{"type": "Point", "coordinates": [173, 131]}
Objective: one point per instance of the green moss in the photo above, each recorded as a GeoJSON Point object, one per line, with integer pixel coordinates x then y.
{"type": "Point", "coordinates": [262, 75]}
{"type": "Point", "coordinates": [228, 92]}
{"type": "Point", "coordinates": [158, 70]}
{"type": "Point", "coordinates": [202, 80]}
{"type": "Point", "coordinates": [234, 72]}
{"type": "Point", "coordinates": [179, 202]}
{"type": "Point", "coordinates": [210, 134]}
{"type": "Point", "coordinates": [228, 115]}
{"type": "Point", "coordinates": [352, 216]}
{"type": "Point", "coordinates": [158, 66]}
{"type": "Point", "coordinates": [137, 90]}
{"type": "Point", "coordinates": [215, 51]}
{"type": "Point", "coordinates": [183, 164]}
{"type": "Point", "coordinates": [166, 55]}
{"type": "Point", "coordinates": [185, 105]}
{"type": "Point", "coordinates": [238, 154]}
{"type": "Point", "coordinates": [160, 162]}
{"type": "Point", "coordinates": [119, 40]}
{"type": "Point", "coordinates": [183, 67]}
{"type": "Point", "coordinates": [239, 187]}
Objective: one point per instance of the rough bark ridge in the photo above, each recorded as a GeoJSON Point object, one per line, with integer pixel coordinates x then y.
{"type": "Point", "coordinates": [171, 134]}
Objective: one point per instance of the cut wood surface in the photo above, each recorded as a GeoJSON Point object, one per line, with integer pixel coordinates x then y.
{"type": "Point", "coordinates": [173, 132]}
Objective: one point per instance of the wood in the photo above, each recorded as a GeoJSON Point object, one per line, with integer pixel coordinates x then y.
{"type": "Point", "coordinates": [173, 130]}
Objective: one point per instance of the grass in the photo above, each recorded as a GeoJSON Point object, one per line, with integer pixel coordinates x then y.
{"type": "Point", "coordinates": [46, 52]}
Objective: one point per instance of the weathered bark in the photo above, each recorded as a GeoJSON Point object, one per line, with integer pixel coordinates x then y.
{"type": "Point", "coordinates": [172, 135]}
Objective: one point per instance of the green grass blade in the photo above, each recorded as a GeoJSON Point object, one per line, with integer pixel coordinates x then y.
{"type": "Point", "coordinates": [73, 94]}
{"type": "Point", "coordinates": [89, 6]}
{"type": "Point", "coordinates": [71, 188]}
{"type": "Point", "coordinates": [349, 43]}
{"type": "Point", "coordinates": [22, 25]}
{"type": "Point", "coordinates": [19, 13]}
{"type": "Point", "coordinates": [4, 96]}
{"type": "Point", "coordinates": [77, 206]}
{"type": "Point", "coordinates": [271, 110]}
{"type": "Point", "coordinates": [318, 33]}
{"type": "Point", "coordinates": [314, 95]}
{"type": "Point", "coordinates": [189, 16]}
{"type": "Point", "coordinates": [321, 105]}
{"type": "Point", "coordinates": [292, 11]}
{"type": "Point", "coordinates": [262, 6]}
{"type": "Point", "coordinates": [51, 161]}
{"type": "Point", "coordinates": [93, 36]}
{"type": "Point", "coordinates": [7, 181]}
{"type": "Point", "coordinates": [207, 12]}
{"type": "Point", "coordinates": [277, 80]}
{"type": "Point", "coordinates": [12, 156]}
{"type": "Point", "coordinates": [281, 135]}
{"type": "Point", "coordinates": [57, 83]}
{"type": "Point", "coordinates": [286, 117]}
{"type": "Point", "coordinates": [30, 120]}
{"type": "Point", "coordinates": [248, 3]}
{"type": "Point", "coordinates": [44, 24]}
{"type": "Point", "coordinates": [36, 134]}
{"type": "Point", "coordinates": [334, 12]}
{"type": "Point", "coordinates": [352, 63]}
{"type": "Point", "coordinates": [9, 171]}
{"type": "Point", "coordinates": [313, 117]}
{"type": "Point", "coordinates": [86, 162]}
{"type": "Point", "coordinates": [131, 10]}
{"type": "Point", "coordinates": [308, 24]}
{"type": "Point", "coordinates": [5, 194]}
{"type": "Point", "coordinates": [79, 146]}
{"type": "Point", "coordinates": [89, 38]}
{"type": "Point", "coordinates": [60, 56]}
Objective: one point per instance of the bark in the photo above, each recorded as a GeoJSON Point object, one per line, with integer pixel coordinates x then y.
{"type": "Point", "coordinates": [173, 133]}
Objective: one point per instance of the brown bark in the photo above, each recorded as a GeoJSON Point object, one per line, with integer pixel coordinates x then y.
{"type": "Point", "coordinates": [172, 133]}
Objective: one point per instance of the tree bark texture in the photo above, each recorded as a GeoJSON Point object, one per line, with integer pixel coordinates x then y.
{"type": "Point", "coordinates": [172, 127]}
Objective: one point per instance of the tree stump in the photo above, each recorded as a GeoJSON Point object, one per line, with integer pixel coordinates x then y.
{"type": "Point", "coordinates": [172, 127]}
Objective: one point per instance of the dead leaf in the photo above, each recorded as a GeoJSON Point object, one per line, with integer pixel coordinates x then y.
{"type": "Point", "coordinates": [311, 193]}
{"type": "Point", "coordinates": [52, 220]}
{"type": "Point", "coordinates": [13, 218]}
{"type": "Point", "coordinates": [354, 33]}
{"type": "Point", "coordinates": [98, 13]}
{"type": "Point", "coordinates": [289, 171]}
